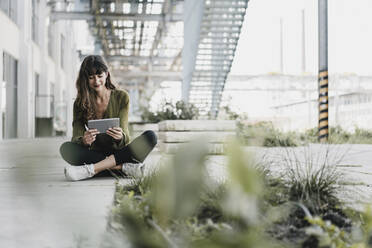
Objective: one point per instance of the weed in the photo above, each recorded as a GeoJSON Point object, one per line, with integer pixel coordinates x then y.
{"type": "Point", "coordinates": [312, 176]}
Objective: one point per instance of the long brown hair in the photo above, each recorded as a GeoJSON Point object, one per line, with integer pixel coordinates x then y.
{"type": "Point", "coordinates": [86, 97]}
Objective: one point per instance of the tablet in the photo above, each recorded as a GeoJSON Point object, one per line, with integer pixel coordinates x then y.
{"type": "Point", "coordinates": [103, 124]}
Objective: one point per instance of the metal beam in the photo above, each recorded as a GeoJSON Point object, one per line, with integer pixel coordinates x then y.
{"type": "Point", "coordinates": [122, 58]}
{"type": "Point", "coordinates": [78, 15]}
{"type": "Point", "coordinates": [193, 19]}
{"type": "Point", "coordinates": [166, 9]}
{"type": "Point", "coordinates": [131, 74]}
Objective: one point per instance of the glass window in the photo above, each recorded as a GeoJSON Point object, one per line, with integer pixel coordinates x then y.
{"type": "Point", "coordinates": [62, 51]}
{"type": "Point", "coordinates": [51, 93]}
{"type": "Point", "coordinates": [50, 37]}
{"type": "Point", "coordinates": [35, 21]}
{"type": "Point", "coordinates": [9, 7]}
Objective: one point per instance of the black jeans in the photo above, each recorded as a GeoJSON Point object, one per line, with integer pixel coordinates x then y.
{"type": "Point", "coordinates": [134, 152]}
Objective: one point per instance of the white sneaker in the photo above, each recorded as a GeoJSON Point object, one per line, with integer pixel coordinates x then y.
{"type": "Point", "coordinates": [76, 173]}
{"type": "Point", "coordinates": [135, 170]}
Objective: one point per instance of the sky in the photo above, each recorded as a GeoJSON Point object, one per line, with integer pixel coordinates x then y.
{"type": "Point", "coordinates": [350, 37]}
{"type": "Point", "coordinates": [258, 50]}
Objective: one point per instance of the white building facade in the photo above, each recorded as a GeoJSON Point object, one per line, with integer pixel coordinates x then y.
{"type": "Point", "coordinates": [350, 104]}
{"type": "Point", "coordinates": [38, 71]}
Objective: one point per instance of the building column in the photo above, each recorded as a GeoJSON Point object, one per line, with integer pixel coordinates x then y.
{"type": "Point", "coordinates": [192, 17]}
{"type": "Point", "coordinates": [1, 95]}
{"type": "Point", "coordinates": [25, 75]}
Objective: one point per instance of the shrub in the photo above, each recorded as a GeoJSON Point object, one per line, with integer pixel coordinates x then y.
{"type": "Point", "coordinates": [361, 136]}
{"type": "Point", "coordinates": [170, 111]}
{"type": "Point", "coordinates": [179, 206]}
{"type": "Point", "coordinates": [313, 179]}
{"type": "Point", "coordinates": [337, 135]}
{"type": "Point", "coordinates": [264, 134]}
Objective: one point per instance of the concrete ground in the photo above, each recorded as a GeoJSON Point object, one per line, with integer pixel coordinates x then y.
{"type": "Point", "coordinates": [39, 208]}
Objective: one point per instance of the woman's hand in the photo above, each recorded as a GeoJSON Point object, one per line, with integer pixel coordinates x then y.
{"type": "Point", "coordinates": [90, 136]}
{"type": "Point", "coordinates": [115, 132]}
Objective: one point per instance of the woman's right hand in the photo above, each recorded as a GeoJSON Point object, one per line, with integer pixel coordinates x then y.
{"type": "Point", "coordinates": [90, 136]}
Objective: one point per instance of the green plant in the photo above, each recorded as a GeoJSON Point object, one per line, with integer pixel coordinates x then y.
{"type": "Point", "coordinates": [228, 113]}
{"type": "Point", "coordinates": [180, 205]}
{"type": "Point", "coordinates": [361, 136]}
{"type": "Point", "coordinates": [330, 235]}
{"type": "Point", "coordinates": [264, 134]}
{"type": "Point", "coordinates": [312, 179]}
{"type": "Point", "coordinates": [337, 135]}
{"type": "Point", "coordinates": [169, 111]}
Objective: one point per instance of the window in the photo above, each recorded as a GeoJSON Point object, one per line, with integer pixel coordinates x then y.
{"type": "Point", "coordinates": [10, 9]}
{"type": "Point", "coordinates": [50, 38]}
{"type": "Point", "coordinates": [37, 79]}
{"type": "Point", "coordinates": [10, 66]}
{"type": "Point", "coordinates": [51, 94]}
{"type": "Point", "coordinates": [35, 21]}
{"type": "Point", "coordinates": [62, 51]}
{"type": "Point", "coordinates": [36, 94]}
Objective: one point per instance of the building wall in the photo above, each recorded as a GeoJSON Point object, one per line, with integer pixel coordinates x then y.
{"type": "Point", "coordinates": [350, 104]}
{"type": "Point", "coordinates": [55, 82]}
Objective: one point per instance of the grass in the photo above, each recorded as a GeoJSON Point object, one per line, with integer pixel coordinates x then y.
{"type": "Point", "coordinates": [313, 178]}
{"type": "Point", "coordinates": [265, 134]}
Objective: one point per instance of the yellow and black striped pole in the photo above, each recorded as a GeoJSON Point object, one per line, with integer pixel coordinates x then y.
{"type": "Point", "coordinates": [323, 106]}
{"type": "Point", "coordinates": [323, 70]}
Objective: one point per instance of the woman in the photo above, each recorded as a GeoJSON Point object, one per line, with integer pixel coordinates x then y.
{"type": "Point", "coordinates": [91, 152]}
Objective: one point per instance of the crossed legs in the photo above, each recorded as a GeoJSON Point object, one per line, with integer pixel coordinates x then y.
{"type": "Point", "coordinates": [135, 152]}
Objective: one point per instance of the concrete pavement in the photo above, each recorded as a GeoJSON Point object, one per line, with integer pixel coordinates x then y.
{"type": "Point", "coordinates": [39, 208]}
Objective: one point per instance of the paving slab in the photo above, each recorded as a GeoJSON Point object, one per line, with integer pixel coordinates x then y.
{"type": "Point", "coordinates": [182, 137]}
{"type": "Point", "coordinates": [172, 148]}
{"type": "Point", "coordinates": [39, 208]}
{"type": "Point", "coordinates": [136, 127]}
{"type": "Point", "coordinates": [197, 125]}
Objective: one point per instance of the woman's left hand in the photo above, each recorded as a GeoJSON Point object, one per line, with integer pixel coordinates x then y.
{"type": "Point", "coordinates": [115, 132]}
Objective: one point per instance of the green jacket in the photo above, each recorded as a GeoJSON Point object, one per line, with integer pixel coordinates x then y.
{"type": "Point", "coordinates": [118, 106]}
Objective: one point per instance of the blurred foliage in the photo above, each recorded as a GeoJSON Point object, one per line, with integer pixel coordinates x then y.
{"type": "Point", "coordinates": [226, 112]}
{"type": "Point", "coordinates": [180, 205]}
{"type": "Point", "coordinates": [328, 234]}
{"type": "Point", "coordinates": [264, 134]}
{"type": "Point", "coordinates": [337, 135]}
{"type": "Point", "coordinates": [170, 111]}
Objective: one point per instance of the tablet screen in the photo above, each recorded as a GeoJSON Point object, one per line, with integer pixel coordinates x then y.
{"type": "Point", "coordinates": [103, 124]}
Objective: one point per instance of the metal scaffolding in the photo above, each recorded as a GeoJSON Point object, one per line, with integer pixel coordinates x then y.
{"type": "Point", "coordinates": [219, 34]}
{"type": "Point", "coordinates": [144, 40]}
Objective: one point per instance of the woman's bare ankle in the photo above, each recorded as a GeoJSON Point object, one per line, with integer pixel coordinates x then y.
{"type": "Point", "coordinates": [118, 167]}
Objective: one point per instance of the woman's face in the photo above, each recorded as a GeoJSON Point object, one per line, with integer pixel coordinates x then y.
{"type": "Point", "coordinates": [97, 81]}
